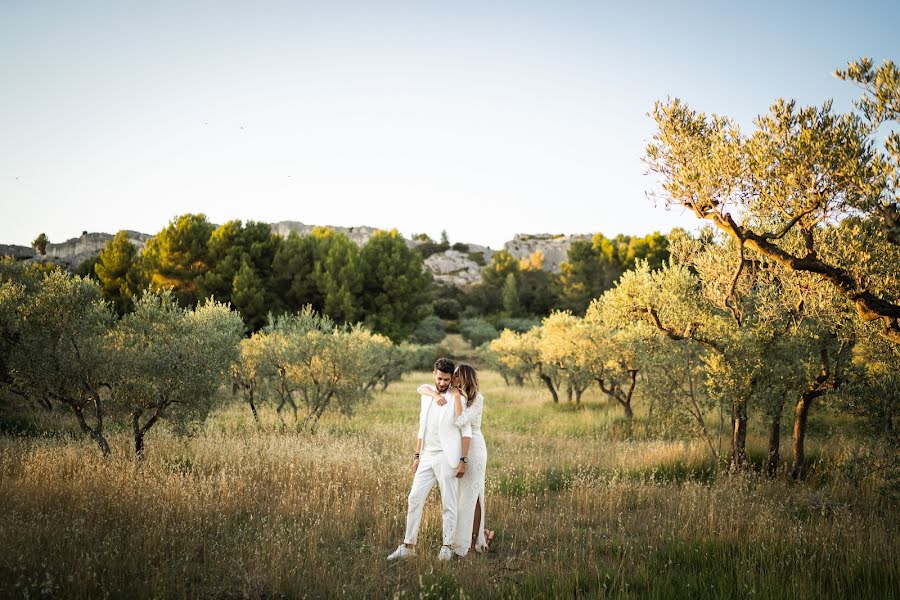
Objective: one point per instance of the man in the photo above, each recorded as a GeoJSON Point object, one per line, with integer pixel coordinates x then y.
{"type": "Point", "coordinates": [438, 459]}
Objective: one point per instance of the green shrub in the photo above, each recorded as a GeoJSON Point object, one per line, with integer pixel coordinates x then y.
{"type": "Point", "coordinates": [477, 331]}
{"type": "Point", "coordinates": [430, 330]}
{"type": "Point", "coordinates": [517, 325]}
{"type": "Point", "coordinates": [447, 308]}
{"type": "Point", "coordinates": [426, 249]}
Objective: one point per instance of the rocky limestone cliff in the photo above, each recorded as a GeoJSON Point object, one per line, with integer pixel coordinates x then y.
{"type": "Point", "coordinates": [454, 268]}
{"type": "Point", "coordinates": [72, 252]}
{"type": "Point", "coordinates": [17, 252]}
{"type": "Point", "coordinates": [554, 247]}
{"type": "Point", "coordinates": [360, 235]}
{"type": "Point", "coordinates": [75, 251]}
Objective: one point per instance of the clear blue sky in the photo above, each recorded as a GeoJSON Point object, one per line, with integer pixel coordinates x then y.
{"type": "Point", "coordinates": [484, 119]}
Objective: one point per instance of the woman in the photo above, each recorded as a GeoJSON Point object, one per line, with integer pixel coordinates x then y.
{"type": "Point", "coordinates": [468, 404]}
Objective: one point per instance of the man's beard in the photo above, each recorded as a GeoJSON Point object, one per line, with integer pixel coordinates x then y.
{"type": "Point", "coordinates": [442, 387]}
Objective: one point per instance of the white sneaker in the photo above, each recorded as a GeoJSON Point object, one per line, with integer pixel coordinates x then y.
{"type": "Point", "coordinates": [402, 552]}
{"type": "Point", "coordinates": [446, 553]}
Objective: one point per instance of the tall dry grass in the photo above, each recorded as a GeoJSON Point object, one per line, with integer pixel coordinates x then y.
{"type": "Point", "coordinates": [237, 511]}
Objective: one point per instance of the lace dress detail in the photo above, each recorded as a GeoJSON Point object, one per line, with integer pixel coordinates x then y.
{"type": "Point", "coordinates": [471, 414]}
{"type": "Point", "coordinates": [471, 484]}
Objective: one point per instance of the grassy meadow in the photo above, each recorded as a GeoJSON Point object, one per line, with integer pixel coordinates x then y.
{"type": "Point", "coordinates": [236, 511]}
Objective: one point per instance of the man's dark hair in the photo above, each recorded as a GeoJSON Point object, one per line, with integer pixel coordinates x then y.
{"type": "Point", "coordinates": [444, 365]}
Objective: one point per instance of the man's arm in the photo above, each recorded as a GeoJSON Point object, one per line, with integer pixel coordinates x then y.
{"type": "Point", "coordinates": [420, 436]}
{"type": "Point", "coordinates": [416, 457]}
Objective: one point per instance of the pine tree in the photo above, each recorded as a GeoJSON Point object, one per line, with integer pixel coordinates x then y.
{"type": "Point", "coordinates": [583, 276]}
{"type": "Point", "coordinates": [119, 273]}
{"type": "Point", "coordinates": [292, 268]}
{"type": "Point", "coordinates": [511, 296]}
{"type": "Point", "coordinates": [178, 258]}
{"type": "Point", "coordinates": [229, 246]}
{"type": "Point", "coordinates": [502, 264]}
{"type": "Point", "coordinates": [40, 244]}
{"type": "Point", "coordinates": [336, 274]}
{"type": "Point", "coordinates": [395, 285]}
{"type": "Point", "coordinates": [248, 295]}
{"type": "Point", "coordinates": [225, 257]}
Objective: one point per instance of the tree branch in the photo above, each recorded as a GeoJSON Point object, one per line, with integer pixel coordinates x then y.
{"type": "Point", "coordinates": [690, 332]}
{"type": "Point", "coordinates": [869, 307]}
{"type": "Point", "coordinates": [731, 300]}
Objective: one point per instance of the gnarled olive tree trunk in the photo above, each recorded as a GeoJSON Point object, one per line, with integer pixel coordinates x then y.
{"type": "Point", "coordinates": [774, 446]}
{"type": "Point", "coordinates": [548, 381]}
{"type": "Point", "coordinates": [250, 400]}
{"type": "Point", "coordinates": [96, 432]}
{"type": "Point", "coordinates": [286, 395]}
{"type": "Point", "coordinates": [615, 392]}
{"type": "Point", "coordinates": [140, 430]}
{"type": "Point", "coordinates": [738, 435]}
{"type": "Point", "coordinates": [829, 378]}
{"type": "Point", "coordinates": [801, 413]}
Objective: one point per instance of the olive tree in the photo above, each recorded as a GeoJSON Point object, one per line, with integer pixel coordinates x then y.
{"type": "Point", "coordinates": [249, 373]}
{"type": "Point", "coordinates": [491, 360]}
{"type": "Point", "coordinates": [388, 361]}
{"type": "Point", "coordinates": [873, 395]}
{"type": "Point", "coordinates": [54, 347]}
{"type": "Point", "coordinates": [171, 361]}
{"type": "Point", "coordinates": [563, 344]}
{"type": "Point", "coordinates": [616, 352]}
{"type": "Point", "coordinates": [16, 281]}
{"type": "Point", "coordinates": [330, 365]}
{"type": "Point", "coordinates": [674, 386]}
{"type": "Point", "coordinates": [797, 331]}
{"type": "Point", "coordinates": [521, 353]}
{"type": "Point", "coordinates": [275, 352]}
{"type": "Point", "coordinates": [782, 191]}
{"type": "Point", "coordinates": [880, 104]}
{"type": "Point", "coordinates": [677, 303]}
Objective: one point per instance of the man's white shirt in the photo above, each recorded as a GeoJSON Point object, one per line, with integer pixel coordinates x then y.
{"type": "Point", "coordinates": [432, 435]}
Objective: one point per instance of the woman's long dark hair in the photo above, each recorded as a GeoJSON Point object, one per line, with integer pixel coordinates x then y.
{"type": "Point", "coordinates": [468, 382]}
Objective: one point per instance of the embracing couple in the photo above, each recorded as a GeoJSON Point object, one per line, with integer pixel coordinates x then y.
{"type": "Point", "coordinates": [451, 452]}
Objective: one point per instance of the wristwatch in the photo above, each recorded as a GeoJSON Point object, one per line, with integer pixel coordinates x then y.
{"type": "Point", "coordinates": [464, 459]}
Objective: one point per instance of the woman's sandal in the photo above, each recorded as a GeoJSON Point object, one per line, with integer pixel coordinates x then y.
{"type": "Point", "coordinates": [489, 537]}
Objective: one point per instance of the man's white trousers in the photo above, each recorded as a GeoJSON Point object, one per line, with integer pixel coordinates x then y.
{"type": "Point", "coordinates": [433, 468]}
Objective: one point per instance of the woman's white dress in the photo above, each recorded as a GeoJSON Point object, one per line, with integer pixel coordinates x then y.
{"type": "Point", "coordinates": [471, 484]}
